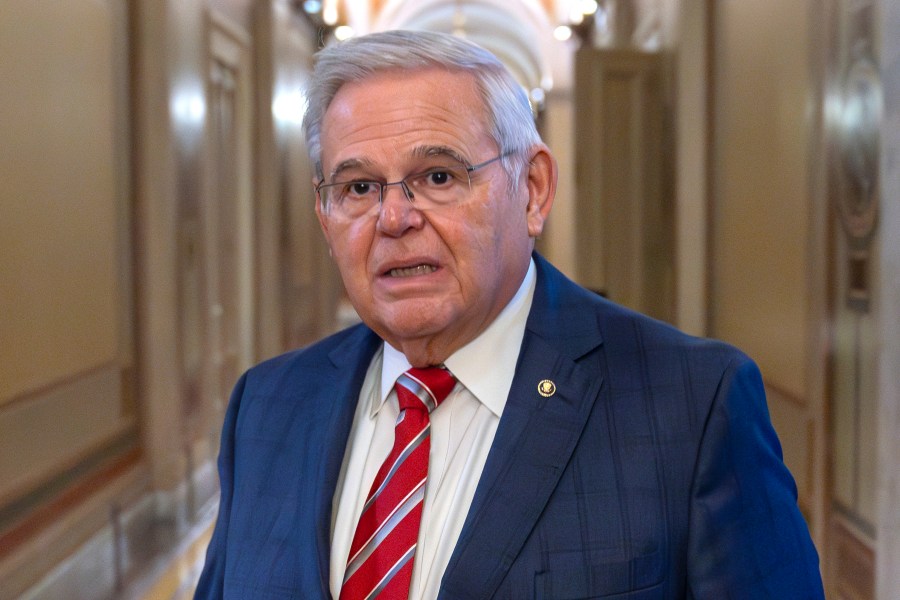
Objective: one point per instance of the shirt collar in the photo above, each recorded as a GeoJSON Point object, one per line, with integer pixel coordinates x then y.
{"type": "Point", "coordinates": [488, 380]}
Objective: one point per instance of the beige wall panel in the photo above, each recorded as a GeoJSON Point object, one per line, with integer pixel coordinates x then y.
{"type": "Point", "coordinates": [854, 398]}
{"type": "Point", "coordinates": [795, 432]}
{"type": "Point", "coordinates": [852, 564]}
{"type": "Point", "coordinates": [558, 239]}
{"type": "Point", "coordinates": [844, 414]}
{"type": "Point", "coordinates": [868, 419]}
{"type": "Point", "coordinates": [888, 274]}
{"type": "Point", "coordinates": [692, 139]}
{"type": "Point", "coordinates": [169, 62]}
{"type": "Point", "coordinates": [51, 433]}
{"type": "Point", "coordinates": [58, 302]}
{"type": "Point", "coordinates": [760, 187]}
{"type": "Point", "coordinates": [297, 283]}
{"type": "Point", "coordinates": [624, 230]}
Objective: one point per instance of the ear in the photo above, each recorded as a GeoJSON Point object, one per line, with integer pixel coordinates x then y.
{"type": "Point", "coordinates": [542, 175]}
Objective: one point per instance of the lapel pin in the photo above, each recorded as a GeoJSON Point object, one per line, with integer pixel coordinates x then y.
{"type": "Point", "coordinates": [546, 388]}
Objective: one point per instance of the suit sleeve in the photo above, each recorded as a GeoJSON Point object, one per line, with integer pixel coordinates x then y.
{"type": "Point", "coordinates": [747, 537]}
{"type": "Point", "coordinates": [212, 579]}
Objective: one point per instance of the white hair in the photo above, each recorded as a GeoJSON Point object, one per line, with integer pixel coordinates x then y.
{"type": "Point", "coordinates": [507, 109]}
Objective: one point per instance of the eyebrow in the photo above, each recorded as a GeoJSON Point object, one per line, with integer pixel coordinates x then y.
{"type": "Point", "coordinates": [425, 151]}
{"type": "Point", "coordinates": [428, 151]}
{"type": "Point", "coordinates": [350, 163]}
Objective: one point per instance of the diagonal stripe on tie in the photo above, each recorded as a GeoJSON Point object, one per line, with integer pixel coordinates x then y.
{"type": "Point", "coordinates": [382, 552]}
{"type": "Point", "coordinates": [408, 505]}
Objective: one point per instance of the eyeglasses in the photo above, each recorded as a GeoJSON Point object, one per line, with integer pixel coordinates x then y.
{"type": "Point", "coordinates": [441, 181]}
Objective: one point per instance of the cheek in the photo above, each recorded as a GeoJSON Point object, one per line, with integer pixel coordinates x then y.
{"type": "Point", "coordinates": [350, 247]}
{"type": "Point", "coordinates": [478, 240]}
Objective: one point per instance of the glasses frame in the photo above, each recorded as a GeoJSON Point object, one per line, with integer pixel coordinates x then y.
{"type": "Point", "coordinates": [402, 183]}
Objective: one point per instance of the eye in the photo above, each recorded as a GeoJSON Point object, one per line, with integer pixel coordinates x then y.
{"type": "Point", "coordinates": [438, 177]}
{"type": "Point", "coordinates": [359, 188]}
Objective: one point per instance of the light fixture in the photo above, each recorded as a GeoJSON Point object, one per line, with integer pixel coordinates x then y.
{"type": "Point", "coordinates": [581, 17]}
{"type": "Point", "coordinates": [289, 106]}
{"type": "Point", "coordinates": [330, 12]}
{"type": "Point", "coordinates": [458, 26]}
{"type": "Point", "coordinates": [562, 33]}
{"type": "Point", "coordinates": [325, 17]}
{"type": "Point", "coordinates": [343, 32]}
{"type": "Point", "coordinates": [588, 7]}
{"type": "Point", "coordinates": [312, 7]}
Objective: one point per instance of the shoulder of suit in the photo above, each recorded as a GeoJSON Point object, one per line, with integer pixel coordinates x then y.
{"type": "Point", "coordinates": [623, 328]}
{"type": "Point", "coordinates": [315, 355]}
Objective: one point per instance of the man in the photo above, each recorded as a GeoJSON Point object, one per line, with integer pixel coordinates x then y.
{"type": "Point", "coordinates": [574, 449]}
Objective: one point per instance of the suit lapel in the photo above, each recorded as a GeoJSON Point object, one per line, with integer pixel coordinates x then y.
{"type": "Point", "coordinates": [349, 363]}
{"type": "Point", "coordinates": [534, 441]}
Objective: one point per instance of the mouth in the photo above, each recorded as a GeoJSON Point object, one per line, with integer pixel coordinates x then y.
{"type": "Point", "coordinates": [417, 270]}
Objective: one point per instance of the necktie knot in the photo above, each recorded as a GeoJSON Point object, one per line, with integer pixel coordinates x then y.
{"type": "Point", "coordinates": [424, 388]}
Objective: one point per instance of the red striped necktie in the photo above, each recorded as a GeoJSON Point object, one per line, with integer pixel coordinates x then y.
{"type": "Point", "coordinates": [381, 556]}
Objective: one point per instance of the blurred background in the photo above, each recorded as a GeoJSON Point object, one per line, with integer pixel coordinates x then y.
{"type": "Point", "coordinates": [730, 167]}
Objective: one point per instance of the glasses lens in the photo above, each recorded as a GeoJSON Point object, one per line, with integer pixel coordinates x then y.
{"type": "Point", "coordinates": [350, 199]}
{"type": "Point", "coordinates": [440, 181]}
{"type": "Point", "coordinates": [437, 181]}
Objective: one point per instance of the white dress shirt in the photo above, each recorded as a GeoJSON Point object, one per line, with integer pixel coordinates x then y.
{"type": "Point", "coordinates": [462, 430]}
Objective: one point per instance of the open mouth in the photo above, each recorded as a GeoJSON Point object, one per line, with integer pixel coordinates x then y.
{"type": "Point", "coordinates": [412, 271]}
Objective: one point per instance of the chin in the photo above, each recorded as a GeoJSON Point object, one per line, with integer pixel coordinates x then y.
{"type": "Point", "coordinates": [412, 328]}
{"type": "Point", "coordinates": [408, 324]}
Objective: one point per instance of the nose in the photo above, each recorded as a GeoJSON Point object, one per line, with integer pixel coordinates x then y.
{"type": "Point", "coordinates": [398, 213]}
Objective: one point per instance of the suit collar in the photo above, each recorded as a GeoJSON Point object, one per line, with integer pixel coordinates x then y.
{"type": "Point", "coordinates": [358, 346]}
{"type": "Point", "coordinates": [559, 315]}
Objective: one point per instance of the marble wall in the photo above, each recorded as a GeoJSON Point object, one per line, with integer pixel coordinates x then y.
{"type": "Point", "coordinates": [888, 546]}
{"type": "Point", "coordinates": [67, 406]}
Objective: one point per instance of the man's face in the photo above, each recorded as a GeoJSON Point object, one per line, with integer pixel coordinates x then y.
{"type": "Point", "coordinates": [428, 281]}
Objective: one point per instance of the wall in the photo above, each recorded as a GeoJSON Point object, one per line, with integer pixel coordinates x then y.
{"type": "Point", "coordinates": [691, 176]}
{"type": "Point", "coordinates": [109, 410]}
{"type": "Point", "coordinates": [170, 128]}
{"type": "Point", "coordinates": [297, 283]}
{"type": "Point", "coordinates": [806, 265]}
{"type": "Point", "coordinates": [888, 429]}
{"type": "Point", "coordinates": [67, 405]}
{"type": "Point", "coordinates": [850, 127]}
{"type": "Point", "coordinates": [766, 281]}
{"type": "Point", "coordinates": [761, 201]}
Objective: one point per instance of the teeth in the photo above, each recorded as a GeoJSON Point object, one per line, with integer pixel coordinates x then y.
{"type": "Point", "coordinates": [412, 271]}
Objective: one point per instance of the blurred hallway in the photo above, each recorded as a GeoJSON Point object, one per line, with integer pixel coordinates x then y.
{"type": "Point", "coordinates": [732, 168]}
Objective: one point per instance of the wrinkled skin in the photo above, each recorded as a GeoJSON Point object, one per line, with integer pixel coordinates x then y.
{"type": "Point", "coordinates": [429, 281]}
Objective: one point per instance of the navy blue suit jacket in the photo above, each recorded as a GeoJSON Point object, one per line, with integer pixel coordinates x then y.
{"type": "Point", "coordinates": [652, 472]}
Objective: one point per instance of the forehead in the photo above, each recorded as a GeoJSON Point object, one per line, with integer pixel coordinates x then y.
{"type": "Point", "coordinates": [390, 114]}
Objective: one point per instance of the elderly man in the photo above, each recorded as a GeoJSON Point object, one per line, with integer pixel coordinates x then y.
{"type": "Point", "coordinates": [492, 430]}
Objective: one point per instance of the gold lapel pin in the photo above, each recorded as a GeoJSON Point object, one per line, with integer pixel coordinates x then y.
{"type": "Point", "coordinates": [546, 388]}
